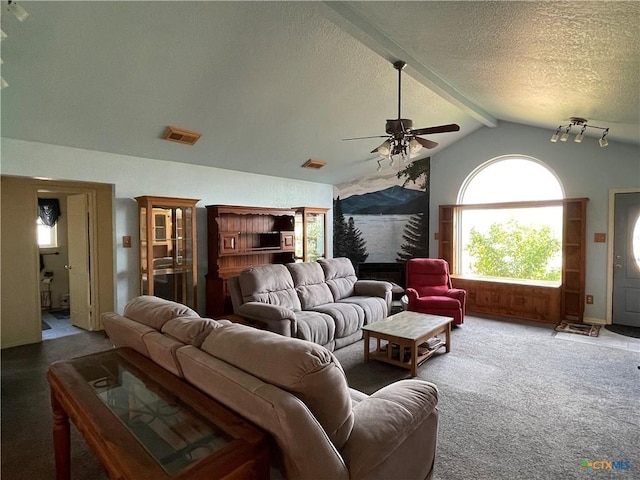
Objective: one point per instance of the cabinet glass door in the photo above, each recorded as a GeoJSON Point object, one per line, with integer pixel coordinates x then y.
{"type": "Point", "coordinates": [311, 231]}
{"type": "Point", "coordinates": [167, 246]}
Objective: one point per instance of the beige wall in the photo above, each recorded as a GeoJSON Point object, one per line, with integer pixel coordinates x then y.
{"type": "Point", "coordinates": [20, 282]}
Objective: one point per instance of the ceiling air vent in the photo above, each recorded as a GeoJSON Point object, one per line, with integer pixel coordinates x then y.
{"type": "Point", "coordinates": [181, 135]}
{"type": "Point", "coordinates": [314, 164]}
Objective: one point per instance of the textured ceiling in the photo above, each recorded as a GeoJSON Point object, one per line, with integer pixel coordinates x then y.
{"type": "Point", "coordinates": [272, 84]}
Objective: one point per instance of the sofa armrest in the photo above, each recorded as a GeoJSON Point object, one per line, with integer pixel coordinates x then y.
{"type": "Point", "coordinates": [277, 319]}
{"type": "Point", "coordinates": [372, 288]}
{"type": "Point", "coordinates": [394, 430]}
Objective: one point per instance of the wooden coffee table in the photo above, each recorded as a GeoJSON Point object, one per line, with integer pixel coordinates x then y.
{"type": "Point", "coordinates": [143, 422]}
{"type": "Point", "coordinates": [400, 338]}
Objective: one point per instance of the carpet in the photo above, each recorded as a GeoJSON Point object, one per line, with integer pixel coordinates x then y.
{"type": "Point", "coordinates": [45, 325]}
{"type": "Point", "coordinates": [516, 403]}
{"type": "Point", "coordinates": [579, 328]}
{"type": "Point", "coordinates": [624, 330]}
{"type": "Point", "coordinates": [61, 314]}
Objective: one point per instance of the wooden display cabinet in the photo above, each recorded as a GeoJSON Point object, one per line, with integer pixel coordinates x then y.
{"type": "Point", "coordinates": [168, 265]}
{"type": "Point", "coordinates": [311, 233]}
{"type": "Point", "coordinates": [241, 237]}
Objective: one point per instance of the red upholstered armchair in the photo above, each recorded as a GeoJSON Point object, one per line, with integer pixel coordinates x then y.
{"type": "Point", "coordinates": [429, 289]}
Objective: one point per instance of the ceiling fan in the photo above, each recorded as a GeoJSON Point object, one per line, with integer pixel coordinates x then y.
{"type": "Point", "coordinates": [402, 138]}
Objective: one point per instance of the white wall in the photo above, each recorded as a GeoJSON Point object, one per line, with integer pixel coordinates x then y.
{"type": "Point", "coordinates": [135, 176]}
{"type": "Point", "coordinates": [585, 170]}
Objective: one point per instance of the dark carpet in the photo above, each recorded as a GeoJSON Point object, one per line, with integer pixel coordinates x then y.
{"type": "Point", "coordinates": [515, 404]}
{"type": "Point", "coordinates": [27, 448]}
{"type": "Point", "coordinates": [624, 330]}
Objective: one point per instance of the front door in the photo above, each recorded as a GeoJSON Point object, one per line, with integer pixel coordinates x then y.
{"type": "Point", "coordinates": [626, 260]}
{"type": "Point", "coordinates": [79, 261]}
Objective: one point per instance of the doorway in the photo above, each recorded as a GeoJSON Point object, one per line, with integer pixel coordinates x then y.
{"type": "Point", "coordinates": [626, 260]}
{"type": "Point", "coordinates": [623, 291]}
{"type": "Point", "coordinates": [65, 273]}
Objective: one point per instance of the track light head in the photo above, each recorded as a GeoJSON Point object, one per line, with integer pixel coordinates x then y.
{"type": "Point", "coordinates": [20, 13]}
{"type": "Point", "coordinates": [603, 141]}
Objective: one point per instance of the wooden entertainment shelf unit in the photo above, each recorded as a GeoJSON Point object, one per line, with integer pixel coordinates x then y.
{"type": "Point", "coordinates": [241, 237]}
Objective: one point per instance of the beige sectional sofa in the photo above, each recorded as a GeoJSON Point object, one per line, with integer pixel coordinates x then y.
{"type": "Point", "coordinates": [322, 302]}
{"type": "Point", "coordinates": [294, 389]}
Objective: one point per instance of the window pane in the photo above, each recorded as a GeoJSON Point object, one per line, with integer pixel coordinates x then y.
{"type": "Point", "coordinates": [507, 243]}
{"type": "Point", "coordinates": [511, 180]}
{"type": "Point", "coordinates": [47, 236]}
{"type": "Point", "coordinates": [520, 243]}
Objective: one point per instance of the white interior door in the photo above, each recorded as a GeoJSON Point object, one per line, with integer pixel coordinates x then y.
{"type": "Point", "coordinates": [79, 261]}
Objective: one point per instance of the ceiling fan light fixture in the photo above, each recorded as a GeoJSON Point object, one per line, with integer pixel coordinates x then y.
{"type": "Point", "coordinates": [565, 135]}
{"type": "Point", "coordinates": [414, 146]}
{"type": "Point", "coordinates": [385, 149]}
{"type": "Point", "coordinates": [580, 135]}
{"type": "Point", "coordinates": [555, 136]}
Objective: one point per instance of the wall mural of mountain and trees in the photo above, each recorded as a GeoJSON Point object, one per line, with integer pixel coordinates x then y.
{"type": "Point", "coordinates": [385, 218]}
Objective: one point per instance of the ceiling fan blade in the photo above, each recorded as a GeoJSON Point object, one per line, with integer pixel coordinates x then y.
{"type": "Point", "coordinates": [452, 127]}
{"type": "Point", "coordinates": [362, 138]}
{"type": "Point", "coordinates": [426, 143]}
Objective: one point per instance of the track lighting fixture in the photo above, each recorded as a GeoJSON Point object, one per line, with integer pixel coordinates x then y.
{"type": "Point", "coordinates": [20, 13]}
{"type": "Point", "coordinates": [578, 122]}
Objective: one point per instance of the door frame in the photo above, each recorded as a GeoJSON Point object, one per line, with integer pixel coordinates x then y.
{"type": "Point", "coordinates": [102, 290]}
{"type": "Point", "coordinates": [610, 262]}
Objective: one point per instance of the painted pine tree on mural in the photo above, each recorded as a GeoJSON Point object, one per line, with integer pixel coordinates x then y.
{"type": "Point", "coordinates": [416, 231]}
{"type": "Point", "coordinates": [347, 239]}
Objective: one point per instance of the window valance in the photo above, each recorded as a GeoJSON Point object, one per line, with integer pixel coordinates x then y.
{"type": "Point", "coordinates": [49, 211]}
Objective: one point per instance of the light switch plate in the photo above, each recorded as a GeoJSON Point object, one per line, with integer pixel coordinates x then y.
{"type": "Point", "coordinates": [599, 237]}
{"type": "Point", "coordinates": [126, 241]}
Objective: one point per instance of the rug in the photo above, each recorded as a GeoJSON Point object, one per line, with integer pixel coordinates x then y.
{"type": "Point", "coordinates": [60, 314]}
{"type": "Point", "coordinates": [579, 328]}
{"type": "Point", "coordinates": [624, 330]}
{"type": "Point", "coordinates": [45, 325]}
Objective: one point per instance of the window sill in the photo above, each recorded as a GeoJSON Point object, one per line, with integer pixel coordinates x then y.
{"type": "Point", "coordinates": [509, 281]}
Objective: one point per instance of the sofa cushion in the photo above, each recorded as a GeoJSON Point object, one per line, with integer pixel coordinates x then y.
{"type": "Point", "coordinates": [190, 330]}
{"type": "Point", "coordinates": [316, 327]}
{"type": "Point", "coordinates": [155, 312]}
{"type": "Point", "coordinates": [310, 285]}
{"type": "Point", "coordinates": [375, 308]}
{"type": "Point", "coordinates": [339, 275]}
{"type": "Point", "coordinates": [307, 370]}
{"type": "Point", "coordinates": [270, 284]}
{"type": "Point", "coordinates": [348, 317]}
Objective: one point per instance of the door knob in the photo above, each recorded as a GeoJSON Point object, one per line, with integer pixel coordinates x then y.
{"type": "Point", "coordinates": [68, 267]}
{"type": "Point", "coordinates": [617, 265]}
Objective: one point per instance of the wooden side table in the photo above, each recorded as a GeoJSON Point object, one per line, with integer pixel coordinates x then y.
{"type": "Point", "coordinates": [143, 422]}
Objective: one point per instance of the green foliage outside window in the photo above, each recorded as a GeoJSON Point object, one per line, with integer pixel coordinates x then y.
{"type": "Point", "coordinates": [513, 250]}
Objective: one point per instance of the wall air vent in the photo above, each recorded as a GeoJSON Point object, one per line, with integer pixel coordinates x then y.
{"type": "Point", "coordinates": [181, 135]}
{"type": "Point", "coordinates": [314, 164]}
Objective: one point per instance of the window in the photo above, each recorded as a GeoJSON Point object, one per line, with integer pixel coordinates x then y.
{"type": "Point", "coordinates": [509, 222]}
{"type": "Point", "coordinates": [47, 236]}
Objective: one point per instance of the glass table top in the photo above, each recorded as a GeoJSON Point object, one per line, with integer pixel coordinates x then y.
{"type": "Point", "coordinates": [173, 432]}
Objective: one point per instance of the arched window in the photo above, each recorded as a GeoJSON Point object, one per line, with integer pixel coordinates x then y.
{"type": "Point", "coordinates": [509, 222]}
